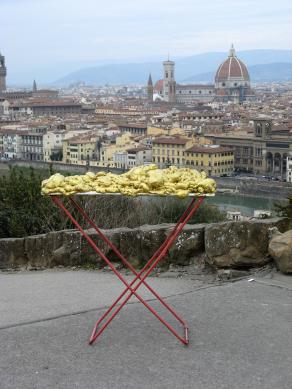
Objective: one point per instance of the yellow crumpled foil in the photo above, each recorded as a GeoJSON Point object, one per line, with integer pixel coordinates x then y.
{"type": "Point", "coordinates": [142, 180]}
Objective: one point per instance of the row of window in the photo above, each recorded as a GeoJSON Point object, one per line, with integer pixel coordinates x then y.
{"type": "Point", "coordinates": [201, 163]}
{"type": "Point", "coordinates": [193, 92]}
{"type": "Point", "coordinates": [156, 146]}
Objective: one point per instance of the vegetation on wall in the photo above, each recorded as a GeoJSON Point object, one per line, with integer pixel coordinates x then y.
{"type": "Point", "coordinates": [23, 211]}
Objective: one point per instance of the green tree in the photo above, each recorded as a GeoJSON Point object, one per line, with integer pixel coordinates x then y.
{"type": "Point", "coordinates": [23, 211]}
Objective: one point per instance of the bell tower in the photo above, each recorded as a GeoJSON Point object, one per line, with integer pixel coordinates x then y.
{"type": "Point", "coordinates": [169, 84]}
{"type": "Point", "coordinates": [150, 89]}
{"type": "Point", "coordinates": [3, 73]}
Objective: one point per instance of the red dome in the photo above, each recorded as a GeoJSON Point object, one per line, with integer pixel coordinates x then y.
{"type": "Point", "coordinates": [158, 87]}
{"type": "Point", "coordinates": [231, 68]}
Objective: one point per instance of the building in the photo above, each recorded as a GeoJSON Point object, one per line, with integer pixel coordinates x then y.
{"type": "Point", "coordinates": [57, 107]}
{"type": "Point", "coordinates": [232, 84]}
{"type": "Point", "coordinates": [3, 73]}
{"type": "Point", "coordinates": [168, 90]}
{"type": "Point", "coordinates": [261, 150]}
{"type": "Point", "coordinates": [168, 151]}
{"type": "Point", "coordinates": [232, 81]}
{"type": "Point", "coordinates": [32, 144]}
{"type": "Point", "coordinates": [190, 93]}
{"type": "Point", "coordinates": [111, 153]}
{"type": "Point", "coordinates": [138, 156]}
{"type": "Point", "coordinates": [10, 143]}
{"type": "Point", "coordinates": [120, 159]}
{"type": "Point", "coordinates": [214, 160]}
{"type": "Point", "coordinates": [169, 84]}
{"type": "Point", "coordinates": [53, 145]}
{"type": "Point", "coordinates": [133, 128]}
{"type": "Point", "coordinates": [150, 90]}
{"type": "Point", "coordinates": [289, 169]}
{"type": "Point", "coordinates": [80, 149]}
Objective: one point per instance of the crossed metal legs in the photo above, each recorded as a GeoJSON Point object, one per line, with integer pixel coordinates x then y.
{"type": "Point", "coordinates": [140, 277]}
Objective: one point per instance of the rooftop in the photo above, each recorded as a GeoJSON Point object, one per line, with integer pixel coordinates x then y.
{"type": "Point", "coordinates": [170, 140]}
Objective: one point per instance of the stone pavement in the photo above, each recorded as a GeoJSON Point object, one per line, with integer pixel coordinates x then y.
{"type": "Point", "coordinates": [240, 334]}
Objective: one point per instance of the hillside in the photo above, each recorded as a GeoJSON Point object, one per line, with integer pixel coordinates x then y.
{"type": "Point", "coordinates": [189, 68]}
{"type": "Point", "coordinates": [258, 73]}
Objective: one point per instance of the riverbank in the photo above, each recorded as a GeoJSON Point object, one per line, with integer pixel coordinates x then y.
{"type": "Point", "coordinates": [240, 186]}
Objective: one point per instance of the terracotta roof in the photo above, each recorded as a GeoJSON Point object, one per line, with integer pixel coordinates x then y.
{"type": "Point", "coordinates": [171, 141]}
{"type": "Point", "coordinates": [136, 149]}
{"type": "Point", "coordinates": [208, 150]}
{"type": "Point", "coordinates": [158, 87]}
{"type": "Point", "coordinates": [232, 67]}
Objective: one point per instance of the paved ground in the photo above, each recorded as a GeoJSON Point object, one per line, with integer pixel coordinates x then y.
{"type": "Point", "coordinates": [241, 334]}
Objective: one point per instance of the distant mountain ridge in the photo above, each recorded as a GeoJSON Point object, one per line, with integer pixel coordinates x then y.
{"type": "Point", "coordinates": [197, 68]}
{"type": "Point", "coordinates": [280, 72]}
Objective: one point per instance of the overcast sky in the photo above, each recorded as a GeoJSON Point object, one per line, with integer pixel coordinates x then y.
{"type": "Point", "coordinates": [42, 36]}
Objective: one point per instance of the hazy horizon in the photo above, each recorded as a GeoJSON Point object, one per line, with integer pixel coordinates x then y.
{"type": "Point", "coordinates": [45, 39]}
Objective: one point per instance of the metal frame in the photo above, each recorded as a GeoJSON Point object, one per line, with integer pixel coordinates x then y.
{"type": "Point", "coordinates": [140, 277]}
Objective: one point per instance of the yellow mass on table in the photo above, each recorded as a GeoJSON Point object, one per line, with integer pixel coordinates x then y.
{"type": "Point", "coordinates": [142, 180]}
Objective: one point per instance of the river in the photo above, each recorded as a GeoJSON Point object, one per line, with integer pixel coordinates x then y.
{"type": "Point", "coordinates": [245, 204]}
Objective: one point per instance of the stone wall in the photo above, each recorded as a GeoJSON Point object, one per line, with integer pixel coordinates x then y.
{"type": "Point", "coordinates": [223, 245]}
{"type": "Point", "coordinates": [256, 187]}
{"type": "Point", "coordinates": [57, 166]}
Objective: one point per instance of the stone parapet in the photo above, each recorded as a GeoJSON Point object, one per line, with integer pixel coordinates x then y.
{"type": "Point", "coordinates": [224, 245]}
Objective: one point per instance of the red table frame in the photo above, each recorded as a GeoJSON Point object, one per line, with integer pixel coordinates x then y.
{"type": "Point", "coordinates": [140, 277]}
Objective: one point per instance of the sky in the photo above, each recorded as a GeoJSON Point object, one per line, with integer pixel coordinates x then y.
{"type": "Point", "coordinates": [45, 39]}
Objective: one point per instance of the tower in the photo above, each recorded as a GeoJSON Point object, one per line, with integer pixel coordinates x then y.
{"type": "Point", "coordinates": [169, 84]}
{"type": "Point", "coordinates": [150, 89]}
{"type": "Point", "coordinates": [34, 86]}
{"type": "Point", "coordinates": [3, 73]}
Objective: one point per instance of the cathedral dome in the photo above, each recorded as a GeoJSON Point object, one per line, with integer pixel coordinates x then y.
{"type": "Point", "coordinates": [232, 69]}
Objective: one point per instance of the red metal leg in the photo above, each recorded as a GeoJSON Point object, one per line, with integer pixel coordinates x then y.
{"type": "Point", "coordinates": [105, 239]}
{"type": "Point", "coordinates": [124, 260]}
{"type": "Point", "coordinates": [151, 264]}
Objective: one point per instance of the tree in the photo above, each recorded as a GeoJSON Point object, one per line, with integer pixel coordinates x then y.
{"type": "Point", "coordinates": [23, 210]}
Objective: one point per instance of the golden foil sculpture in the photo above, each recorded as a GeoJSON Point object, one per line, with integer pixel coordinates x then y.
{"type": "Point", "coordinates": [142, 180]}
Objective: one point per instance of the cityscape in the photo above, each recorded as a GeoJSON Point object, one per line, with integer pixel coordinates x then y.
{"type": "Point", "coordinates": [225, 128]}
{"type": "Point", "coordinates": [145, 162]}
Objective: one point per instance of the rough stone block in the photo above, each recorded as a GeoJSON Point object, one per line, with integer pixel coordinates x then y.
{"type": "Point", "coordinates": [240, 244]}
{"type": "Point", "coordinates": [280, 248]}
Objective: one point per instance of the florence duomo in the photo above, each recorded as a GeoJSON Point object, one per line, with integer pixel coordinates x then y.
{"type": "Point", "coordinates": [232, 84]}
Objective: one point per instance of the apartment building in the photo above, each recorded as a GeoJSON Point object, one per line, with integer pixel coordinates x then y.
{"type": "Point", "coordinates": [214, 160]}
{"type": "Point", "coordinates": [168, 151]}
{"type": "Point", "coordinates": [53, 145]}
{"type": "Point", "coordinates": [32, 144]}
{"type": "Point", "coordinates": [78, 149]}
{"type": "Point", "coordinates": [10, 143]}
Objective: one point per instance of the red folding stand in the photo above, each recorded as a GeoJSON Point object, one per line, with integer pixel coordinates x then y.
{"type": "Point", "coordinates": [140, 276]}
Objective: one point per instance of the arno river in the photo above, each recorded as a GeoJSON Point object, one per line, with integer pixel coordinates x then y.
{"type": "Point", "coordinates": [245, 204]}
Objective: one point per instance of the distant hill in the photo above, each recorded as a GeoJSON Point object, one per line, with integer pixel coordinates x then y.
{"type": "Point", "coordinates": [189, 68]}
{"type": "Point", "coordinates": [258, 73]}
